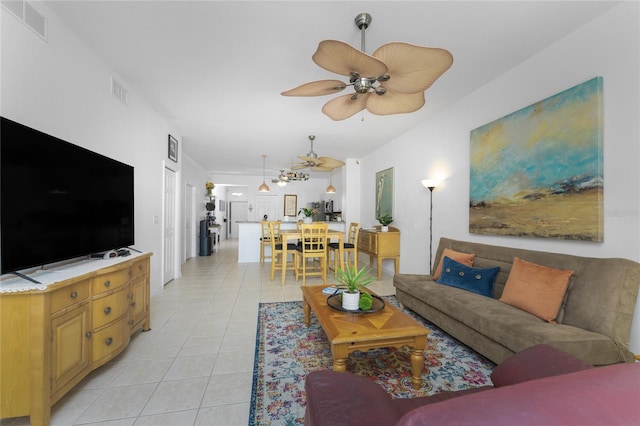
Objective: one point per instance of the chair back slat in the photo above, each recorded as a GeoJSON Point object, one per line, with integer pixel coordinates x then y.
{"type": "Point", "coordinates": [354, 230]}
{"type": "Point", "coordinates": [314, 238]}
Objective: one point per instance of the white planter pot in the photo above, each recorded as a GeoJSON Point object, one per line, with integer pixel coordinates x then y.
{"type": "Point", "coordinates": [307, 220]}
{"type": "Point", "coordinates": [384, 229]}
{"type": "Point", "coordinates": [350, 300]}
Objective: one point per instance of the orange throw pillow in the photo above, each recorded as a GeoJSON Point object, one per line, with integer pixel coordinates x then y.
{"type": "Point", "coordinates": [536, 289]}
{"type": "Point", "coordinates": [464, 258]}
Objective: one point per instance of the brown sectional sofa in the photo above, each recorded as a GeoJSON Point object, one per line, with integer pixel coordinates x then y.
{"type": "Point", "coordinates": [593, 324]}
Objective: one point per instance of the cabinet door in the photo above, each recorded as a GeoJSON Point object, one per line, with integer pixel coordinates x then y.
{"type": "Point", "coordinates": [139, 301]}
{"type": "Point", "coordinates": [70, 346]}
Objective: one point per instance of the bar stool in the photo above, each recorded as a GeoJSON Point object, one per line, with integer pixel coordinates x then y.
{"type": "Point", "coordinates": [350, 248]}
{"type": "Point", "coordinates": [265, 240]}
{"type": "Point", "coordinates": [277, 252]}
{"type": "Point", "coordinates": [314, 246]}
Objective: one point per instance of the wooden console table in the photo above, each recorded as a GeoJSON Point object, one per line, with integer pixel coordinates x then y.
{"type": "Point", "coordinates": [54, 334]}
{"type": "Point", "coordinates": [381, 245]}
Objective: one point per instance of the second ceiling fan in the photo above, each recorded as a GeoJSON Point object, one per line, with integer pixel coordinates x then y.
{"type": "Point", "coordinates": [397, 73]}
{"type": "Point", "coordinates": [315, 163]}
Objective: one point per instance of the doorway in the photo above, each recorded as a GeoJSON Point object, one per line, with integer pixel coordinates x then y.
{"type": "Point", "coordinates": [190, 220]}
{"type": "Point", "coordinates": [169, 228]}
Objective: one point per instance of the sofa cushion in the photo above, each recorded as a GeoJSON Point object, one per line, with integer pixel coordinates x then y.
{"type": "Point", "coordinates": [464, 258]}
{"type": "Point", "coordinates": [477, 280]}
{"type": "Point", "coordinates": [535, 362]}
{"type": "Point", "coordinates": [536, 289]}
{"type": "Point", "coordinates": [333, 398]}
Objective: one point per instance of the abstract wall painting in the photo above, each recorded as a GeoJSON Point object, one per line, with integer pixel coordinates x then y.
{"type": "Point", "coordinates": [384, 193]}
{"type": "Point", "coordinates": [538, 172]}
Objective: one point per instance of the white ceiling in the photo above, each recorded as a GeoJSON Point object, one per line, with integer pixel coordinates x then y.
{"type": "Point", "coordinates": [215, 69]}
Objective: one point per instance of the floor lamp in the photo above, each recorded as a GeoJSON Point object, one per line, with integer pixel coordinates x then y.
{"type": "Point", "coordinates": [430, 185]}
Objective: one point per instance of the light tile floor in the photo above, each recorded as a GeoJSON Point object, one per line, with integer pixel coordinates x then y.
{"type": "Point", "coordinates": [195, 366]}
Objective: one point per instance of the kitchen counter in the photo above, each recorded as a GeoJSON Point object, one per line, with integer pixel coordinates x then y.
{"type": "Point", "coordinates": [250, 232]}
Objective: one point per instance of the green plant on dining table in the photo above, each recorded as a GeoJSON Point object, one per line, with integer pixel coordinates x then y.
{"type": "Point", "coordinates": [308, 212]}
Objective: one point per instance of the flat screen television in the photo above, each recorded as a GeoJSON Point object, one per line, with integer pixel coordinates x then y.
{"type": "Point", "coordinates": [59, 201]}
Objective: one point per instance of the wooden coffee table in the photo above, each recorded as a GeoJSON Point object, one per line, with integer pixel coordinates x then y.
{"type": "Point", "coordinates": [348, 332]}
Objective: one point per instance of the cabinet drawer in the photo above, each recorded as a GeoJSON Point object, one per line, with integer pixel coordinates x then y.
{"type": "Point", "coordinates": [109, 341]}
{"type": "Point", "coordinates": [139, 268]}
{"type": "Point", "coordinates": [110, 281]}
{"type": "Point", "coordinates": [108, 308]}
{"type": "Point", "coordinates": [69, 295]}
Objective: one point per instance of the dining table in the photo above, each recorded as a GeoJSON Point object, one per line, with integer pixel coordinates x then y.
{"type": "Point", "coordinates": [292, 234]}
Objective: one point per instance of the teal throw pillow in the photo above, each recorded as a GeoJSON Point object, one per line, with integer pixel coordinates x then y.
{"type": "Point", "coordinates": [477, 280]}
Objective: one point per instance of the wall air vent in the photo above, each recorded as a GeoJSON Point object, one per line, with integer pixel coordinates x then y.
{"type": "Point", "coordinates": [119, 91]}
{"type": "Point", "coordinates": [28, 15]}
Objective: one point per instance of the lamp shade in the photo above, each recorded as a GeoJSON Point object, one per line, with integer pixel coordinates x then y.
{"type": "Point", "coordinates": [263, 187]}
{"type": "Point", "coordinates": [330, 189]}
{"type": "Point", "coordinates": [430, 184]}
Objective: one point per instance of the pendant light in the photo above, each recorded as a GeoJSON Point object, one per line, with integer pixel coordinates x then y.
{"type": "Point", "coordinates": [331, 189]}
{"type": "Point", "coordinates": [263, 187]}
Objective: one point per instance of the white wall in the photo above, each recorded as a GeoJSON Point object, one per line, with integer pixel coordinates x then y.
{"type": "Point", "coordinates": [62, 88]}
{"type": "Point", "coordinates": [439, 148]}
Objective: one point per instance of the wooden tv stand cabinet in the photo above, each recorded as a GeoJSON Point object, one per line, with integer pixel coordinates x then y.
{"type": "Point", "coordinates": [52, 337]}
{"type": "Point", "coordinates": [381, 245]}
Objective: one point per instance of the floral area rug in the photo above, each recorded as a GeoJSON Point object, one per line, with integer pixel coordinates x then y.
{"type": "Point", "coordinates": [287, 350]}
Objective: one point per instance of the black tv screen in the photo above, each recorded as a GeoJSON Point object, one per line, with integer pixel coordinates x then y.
{"type": "Point", "coordinates": [59, 201]}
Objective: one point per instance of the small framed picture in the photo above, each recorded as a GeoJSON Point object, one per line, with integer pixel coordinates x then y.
{"type": "Point", "coordinates": [290, 205]}
{"type": "Point", "coordinates": [173, 148]}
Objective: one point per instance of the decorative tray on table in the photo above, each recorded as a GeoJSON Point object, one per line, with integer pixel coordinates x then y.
{"type": "Point", "coordinates": [335, 302]}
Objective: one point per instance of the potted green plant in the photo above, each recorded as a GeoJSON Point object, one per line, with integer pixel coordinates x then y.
{"type": "Point", "coordinates": [352, 281]}
{"type": "Point", "coordinates": [308, 214]}
{"type": "Point", "coordinates": [385, 221]}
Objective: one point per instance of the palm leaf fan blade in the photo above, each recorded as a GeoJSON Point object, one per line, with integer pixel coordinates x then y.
{"type": "Point", "coordinates": [341, 58]}
{"type": "Point", "coordinates": [320, 168]}
{"type": "Point", "coordinates": [413, 68]}
{"type": "Point", "coordinates": [316, 88]}
{"type": "Point", "coordinates": [330, 162]}
{"type": "Point", "coordinates": [395, 103]}
{"type": "Point", "coordinates": [345, 106]}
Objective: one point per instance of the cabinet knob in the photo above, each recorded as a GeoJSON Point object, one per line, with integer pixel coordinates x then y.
{"type": "Point", "coordinates": [107, 310]}
{"type": "Point", "coordinates": [133, 303]}
{"type": "Point", "coordinates": [88, 334]}
{"type": "Point", "coordinates": [107, 283]}
{"type": "Point", "coordinates": [108, 341]}
{"type": "Point", "coordinates": [130, 322]}
{"type": "Point", "coordinates": [141, 267]}
{"type": "Point", "coordinates": [74, 294]}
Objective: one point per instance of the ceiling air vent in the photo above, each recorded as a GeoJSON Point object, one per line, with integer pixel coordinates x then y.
{"type": "Point", "coordinates": [119, 91]}
{"type": "Point", "coordinates": [28, 15]}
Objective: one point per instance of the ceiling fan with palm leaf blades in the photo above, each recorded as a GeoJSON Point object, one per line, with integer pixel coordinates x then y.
{"type": "Point", "coordinates": [397, 73]}
{"type": "Point", "coordinates": [315, 163]}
